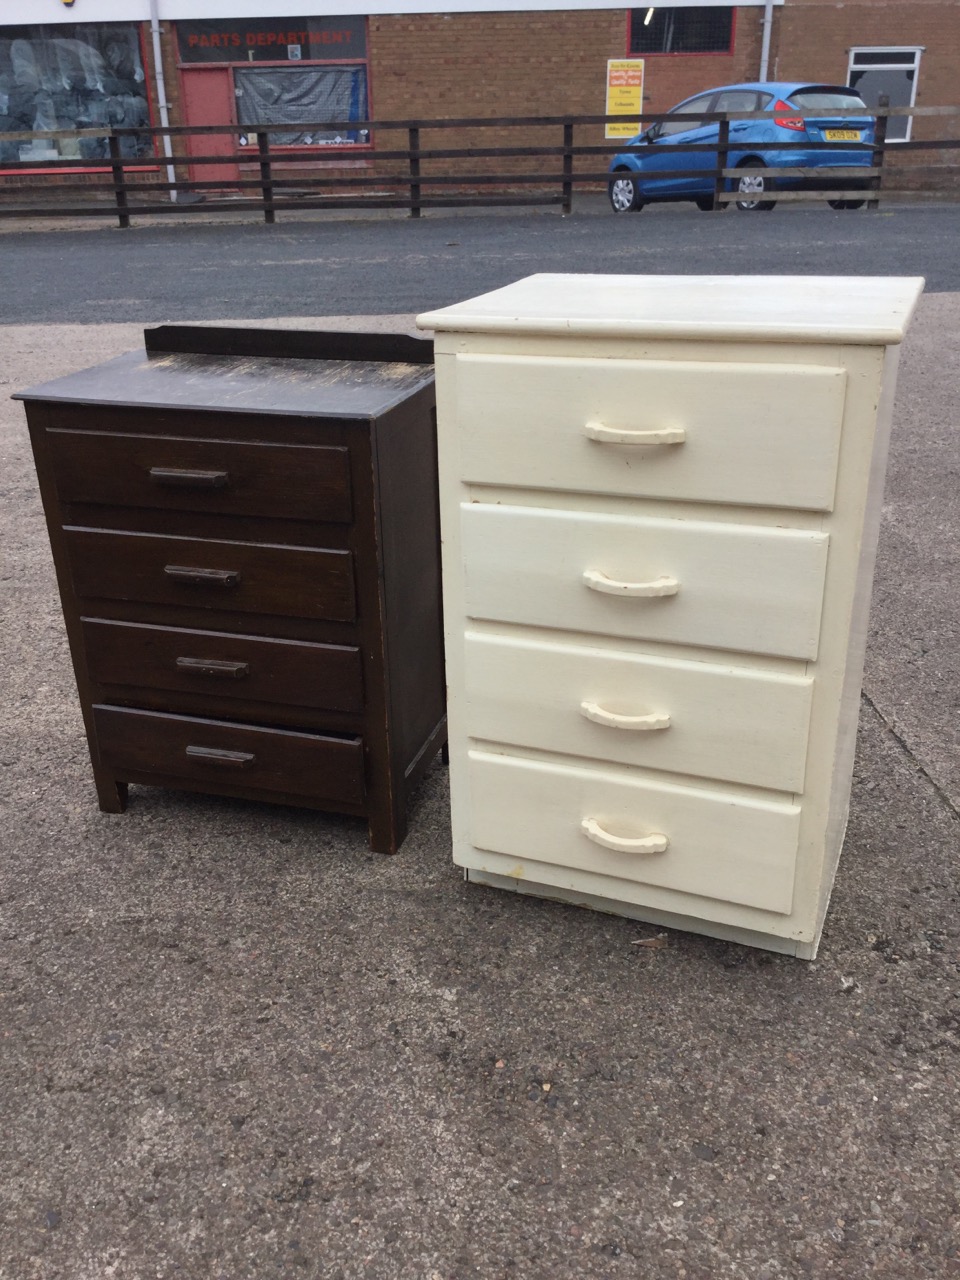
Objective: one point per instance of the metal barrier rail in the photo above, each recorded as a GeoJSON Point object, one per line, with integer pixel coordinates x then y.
{"type": "Point", "coordinates": [129, 186]}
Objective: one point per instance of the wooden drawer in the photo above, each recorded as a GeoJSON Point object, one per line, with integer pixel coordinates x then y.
{"type": "Point", "coordinates": [295, 482]}
{"type": "Point", "coordinates": [241, 577]}
{"type": "Point", "coordinates": [701, 718]}
{"type": "Point", "coordinates": [286, 672]}
{"type": "Point", "coordinates": [211, 751]}
{"type": "Point", "coordinates": [718, 845]}
{"type": "Point", "coordinates": [760, 434]}
{"type": "Point", "coordinates": [743, 587]}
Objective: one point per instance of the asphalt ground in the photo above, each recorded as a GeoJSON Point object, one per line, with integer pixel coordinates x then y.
{"type": "Point", "coordinates": [228, 266]}
{"type": "Point", "coordinates": [234, 1044]}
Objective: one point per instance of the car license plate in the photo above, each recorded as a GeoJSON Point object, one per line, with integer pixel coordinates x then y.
{"type": "Point", "coordinates": [842, 135]}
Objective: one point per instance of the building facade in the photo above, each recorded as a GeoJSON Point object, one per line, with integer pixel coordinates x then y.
{"type": "Point", "coordinates": [245, 63]}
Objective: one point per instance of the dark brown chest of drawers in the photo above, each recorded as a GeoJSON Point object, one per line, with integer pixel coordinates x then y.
{"type": "Point", "coordinates": [244, 528]}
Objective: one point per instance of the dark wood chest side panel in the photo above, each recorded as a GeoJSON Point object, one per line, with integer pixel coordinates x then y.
{"type": "Point", "coordinates": [406, 445]}
{"type": "Point", "coordinates": [248, 669]}
{"type": "Point", "coordinates": [196, 573]}
{"type": "Point", "coordinates": [296, 482]}
{"type": "Point", "coordinates": [263, 760]}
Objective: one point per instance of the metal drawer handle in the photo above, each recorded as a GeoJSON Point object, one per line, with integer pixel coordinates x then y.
{"type": "Point", "coordinates": [183, 478]}
{"type": "Point", "coordinates": [213, 667]}
{"type": "Point", "coordinates": [617, 435]}
{"type": "Point", "coordinates": [597, 581]}
{"type": "Point", "coordinates": [203, 577]}
{"type": "Point", "coordinates": [216, 755]}
{"type": "Point", "coordinates": [593, 711]}
{"type": "Point", "coordinates": [656, 843]}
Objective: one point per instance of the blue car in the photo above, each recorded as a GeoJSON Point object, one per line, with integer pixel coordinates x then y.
{"type": "Point", "coordinates": [635, 172]}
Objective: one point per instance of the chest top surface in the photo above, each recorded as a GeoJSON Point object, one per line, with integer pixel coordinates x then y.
{"type": "Point", "coordinates": [864, 309]}
{"type": "Point", "coordinates": [244, 381]}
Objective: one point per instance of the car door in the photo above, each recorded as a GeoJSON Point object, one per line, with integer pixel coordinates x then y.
{"type": "Point", "coordinates": [670, 136]}
{"type": "Point", "coordinates": [743, 133]}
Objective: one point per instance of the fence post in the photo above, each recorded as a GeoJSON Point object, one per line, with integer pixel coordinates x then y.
{"type": "Point", "coordinates": [879, 151]}
{"type": "Point", "coordinates": [723, 146]}
{"type": "Point", "coordinates": [119, 180]}
{"type": "Point", "coordinates": [414, 141]}
{"type": "Point", "coordinates": [266, 178]}
{"type": "Point", "coordinates": [566, 206]}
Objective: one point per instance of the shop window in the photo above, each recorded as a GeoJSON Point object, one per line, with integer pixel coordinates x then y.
{"type": "Point", "coordinates": [72, 77]}
{"type": "Point", "coordinates": [694, 29]}
{"type": "Point", "coordinates": [302, 96]}
{"type": "Point", "coordinates": [893, 72]}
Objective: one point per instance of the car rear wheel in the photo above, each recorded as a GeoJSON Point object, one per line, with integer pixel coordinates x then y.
{"type": "Point", "coordinates": [753, 187]}
{"type": "Point", "coordinates": [846, 204]}
{"type": "Point", "coordinates": [624, 197]}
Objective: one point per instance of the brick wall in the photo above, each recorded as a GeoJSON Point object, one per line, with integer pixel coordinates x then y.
{"type": "Point", "coordinates": [426, 66]}
{"type": "Point", "coordinates": [669, 78]}
{"type": "Point", "coordinates": [531, 63]}
{"type": "Point", "coordinates": [812, 39]}
{"type": "Point", "coordinates": [524, 64]}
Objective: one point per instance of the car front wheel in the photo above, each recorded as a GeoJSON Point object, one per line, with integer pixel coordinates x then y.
{"type": "Point", "coordinates": [624, 197]}
{"type": "Point", "coordinates": [846, 204]}
{"type": "Point", "coordinates": [753, 187]}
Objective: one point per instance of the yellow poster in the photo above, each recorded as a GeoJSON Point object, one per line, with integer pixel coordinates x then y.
{"type": "Point", "coordinates": [624, 96]}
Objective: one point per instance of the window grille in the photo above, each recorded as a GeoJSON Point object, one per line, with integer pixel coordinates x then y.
{"type": "Point", "coordinates": [698, 29]}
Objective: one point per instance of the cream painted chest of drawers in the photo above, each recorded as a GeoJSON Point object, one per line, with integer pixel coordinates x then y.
{"type": "Point", "coordinates": [660, 500]}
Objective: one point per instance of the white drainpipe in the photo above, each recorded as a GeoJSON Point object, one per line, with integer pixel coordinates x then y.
{"type": "Point", "coordinates": [161, 91]}
{"type": "Point", "coordinates": [765, 47]}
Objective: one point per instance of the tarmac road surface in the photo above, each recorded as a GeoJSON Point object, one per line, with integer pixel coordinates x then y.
{"type": "Point", "coordinates": [92, 272]}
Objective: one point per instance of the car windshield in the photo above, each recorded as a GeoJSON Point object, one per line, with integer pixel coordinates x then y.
{"type": "Point", "coordinates": [826, 99]}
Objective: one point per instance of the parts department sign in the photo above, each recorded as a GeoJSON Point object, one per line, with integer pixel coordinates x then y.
{"type": "Point", "coordinates": [624, 96]}
{"type": "Point", "coordinates": [272, 40]}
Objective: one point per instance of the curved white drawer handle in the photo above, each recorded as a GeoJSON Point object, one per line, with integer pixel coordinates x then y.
{"type": "Point", "coordinates": [617, 435]}
{"type": "Point", "coordinates": [597, 581]}
{"type": "Point", "coordinates": [644, 844]}
{"type": "Point", "coordinates": [593, 711]}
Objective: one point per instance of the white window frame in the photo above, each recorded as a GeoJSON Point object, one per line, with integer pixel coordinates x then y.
{"type": "Point", "coordinates": [915, 49]}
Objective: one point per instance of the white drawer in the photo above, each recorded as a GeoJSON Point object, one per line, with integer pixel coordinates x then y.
{"type": "Point", "coordinates": [758, 434]}
{"type": "Point", "coordinates": [741, 587]}
{"type": "Point", "coordinates": [700, 718]}
{"type": "Point", "coordinates": [718, 845]}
